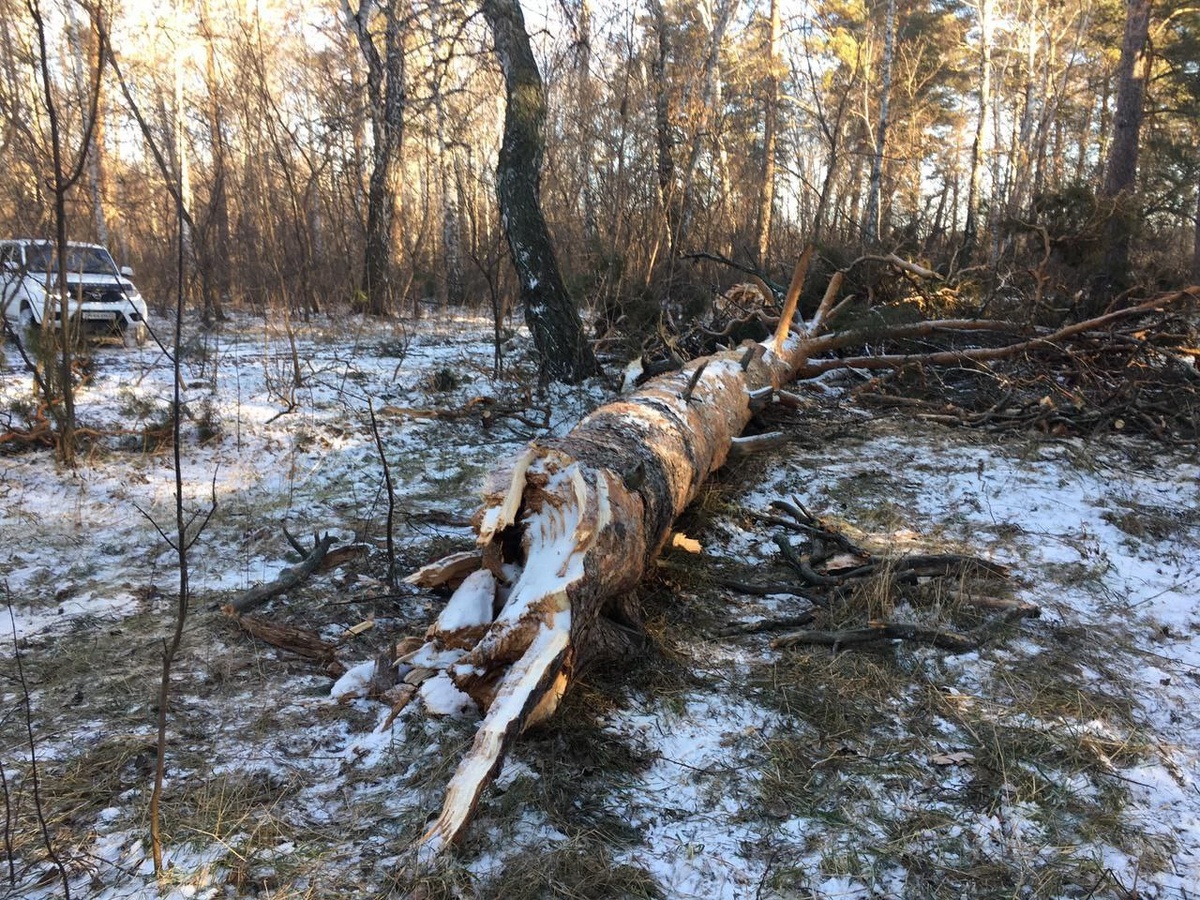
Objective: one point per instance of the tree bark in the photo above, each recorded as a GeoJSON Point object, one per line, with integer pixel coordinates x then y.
{"type": "Point", "coordinates": [215, 277]}
{"type": "Point", "coordinates": [448, 182]}
{"type": "Point", "coordinates": [585, 160]}
{"type": "Point", "coordinates": [664, 139]}
{"type": "Point", "coordinates": [1196, 241]}
{"type": "Point", "coordinates": [567, 532]}
{"type": "Point", "coordinates": [563, 350]}
{"type": "Point", "coordinates": [766, 194]}
{"type": "Point", "coordinates": [703, 112]}
{"type": "Point", "coordinates": [979, 145]}
{"type": "Point", "coordinates": [1121, 169]}
{"type": "Point", "coordinates": [88, 47]}
{"type": "Point", "coordinates": [386, 90]}
{"type": "Point", "coordinates": [871, 219]}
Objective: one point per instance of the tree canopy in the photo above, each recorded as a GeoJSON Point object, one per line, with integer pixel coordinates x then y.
{"type": "Point", "coordinates": [349, 154]}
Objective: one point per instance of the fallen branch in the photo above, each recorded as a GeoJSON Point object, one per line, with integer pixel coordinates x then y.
{"type": "Point", "coordinates": [952, 357]}
{"type": "Point", "coordinates": [300, 641]}
{"type": "Point", "coordinates": [289, 579]}
{"type": "Point", "coordinates": [942, 638]}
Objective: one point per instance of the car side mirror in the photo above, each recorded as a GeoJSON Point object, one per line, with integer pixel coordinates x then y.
{"type": "Point", "coordinates": [127, 271]}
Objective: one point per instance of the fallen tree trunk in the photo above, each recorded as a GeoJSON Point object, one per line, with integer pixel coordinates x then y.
{"type": "Point", "coordinates": [569, 529]}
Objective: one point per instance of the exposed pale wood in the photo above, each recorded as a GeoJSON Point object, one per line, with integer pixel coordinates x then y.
{"type": "Point", "coordinates": [793, 299]}
{"type": "Point", "coordinates": [451, 569]}
{"type": "Point", "coordinates": [565, 532]}
{"type": "Point", "coordinates": [742, 447]}
{"type": "Point", "coordinates": [831, 292]}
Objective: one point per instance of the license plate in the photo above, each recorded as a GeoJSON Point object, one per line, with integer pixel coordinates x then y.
{"type": "Point", "coordinates": [98, 316]}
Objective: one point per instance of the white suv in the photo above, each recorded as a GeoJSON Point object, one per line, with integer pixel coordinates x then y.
{"type": "Point", "coordinates": [103, 301]}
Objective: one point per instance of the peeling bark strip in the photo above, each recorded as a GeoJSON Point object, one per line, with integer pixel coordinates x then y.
{"type": "Point", "coordinates": [562, 533]}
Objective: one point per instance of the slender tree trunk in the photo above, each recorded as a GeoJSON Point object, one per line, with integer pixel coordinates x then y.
{"type": "Point", "coordinates": [587, 132]}
{"type": "Point", "coordinates": [1196, 241]}
{"type": "Point", "coordinates": [386, 90]}
{"type": "Point", "coordinates": [1023, 152]}
{"type": "Point", "coordinates": [1121, 169]}
{"type": "Point", "coordinates": [448, 182]}
{"type": "Point", "coordinates": [702, 113]}
{"type": "Point", "coordinates": [183, 171]}
{"type": "Point", "coordinates": [871, 219]}
{"type": "Point", "coordinates": [979, 145]}
{"type": "Point", "coordinates": [664, 140]}
{"type": "Point", "coordinates": [563, 350]}
{"type": "Point", "coordinates": [87, 48]}
{"type": "Point", "coordinates": [766, 193]}
{"type": "Point", "coordinates": [1104, 119]}
{"type": "Point", "coordinates": [216, 276]}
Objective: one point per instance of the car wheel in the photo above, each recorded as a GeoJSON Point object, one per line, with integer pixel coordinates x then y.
{"type": "Point", "coordinates": [26, 324]}
{"type": "Point", "coordinates": [135, 334]}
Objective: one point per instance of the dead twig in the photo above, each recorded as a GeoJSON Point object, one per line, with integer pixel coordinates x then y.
{"type": "Point", "coordinates": [793, 298]}
{"type": "Point", "coordinates": [768, 625]}
{"type": "Point", "coordinates": [942, 638]}
{"type": "Point", "coordinates": [34, 775]}
{"type": "Point", "coordinates": [391, 498]}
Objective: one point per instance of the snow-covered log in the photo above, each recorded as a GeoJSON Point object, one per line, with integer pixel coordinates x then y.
{"type": "Point", "coordinates": [564, 532]}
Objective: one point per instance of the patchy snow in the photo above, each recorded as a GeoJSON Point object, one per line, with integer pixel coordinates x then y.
{"type": "Point", "coordinates": [280, 782]}
{"type": "Point", "coordinates": [442, 697]}
{"type": "Point", "coordinates": [471, 603]}
{"type": "Point", "coordinates": [353, 682]}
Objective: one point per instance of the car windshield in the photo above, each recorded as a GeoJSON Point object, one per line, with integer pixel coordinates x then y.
{"type": "Point", "coordinates": [91, 260]}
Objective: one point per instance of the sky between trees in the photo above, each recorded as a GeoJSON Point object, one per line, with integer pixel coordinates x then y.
{"type": "Point", "coordinates": [960, 132]}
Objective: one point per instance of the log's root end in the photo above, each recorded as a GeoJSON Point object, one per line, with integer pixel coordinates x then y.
{"type": "Point", "coordinates": [505, 635]}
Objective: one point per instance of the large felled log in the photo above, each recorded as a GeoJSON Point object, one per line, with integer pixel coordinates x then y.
{"type": "Point", "coordinates": [565, 530]}
{"type": "Point", "coordinates": [571, 526]}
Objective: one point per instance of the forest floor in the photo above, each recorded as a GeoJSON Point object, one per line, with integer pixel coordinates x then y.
{"type": "Point", "coordinates": [1062, 760]}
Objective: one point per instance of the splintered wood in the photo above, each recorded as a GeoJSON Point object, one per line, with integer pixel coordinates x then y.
{"type": "Point", "coordinates": [569, 528]}
{"type": "Point", "coordinates": [563, 531]}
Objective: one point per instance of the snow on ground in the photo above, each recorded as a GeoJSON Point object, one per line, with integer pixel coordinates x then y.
{"type": "Point", "coordinates": [1060, 761]}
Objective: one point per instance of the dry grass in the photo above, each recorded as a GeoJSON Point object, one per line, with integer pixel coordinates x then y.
{"type": "Point", "coordinates": [583, 869]}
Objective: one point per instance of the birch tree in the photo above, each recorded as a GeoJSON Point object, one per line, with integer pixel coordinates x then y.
{"type": "Point", "coordinates": [766, 193]}
{"type": "Point", "coordinates": [563, 350]}
{"type": "Point", "coordinates": [982, 132]}
{"type": "Point", "coordinates": [871, 218]}
{"type": "Point", "coordinates": [378, 26]}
